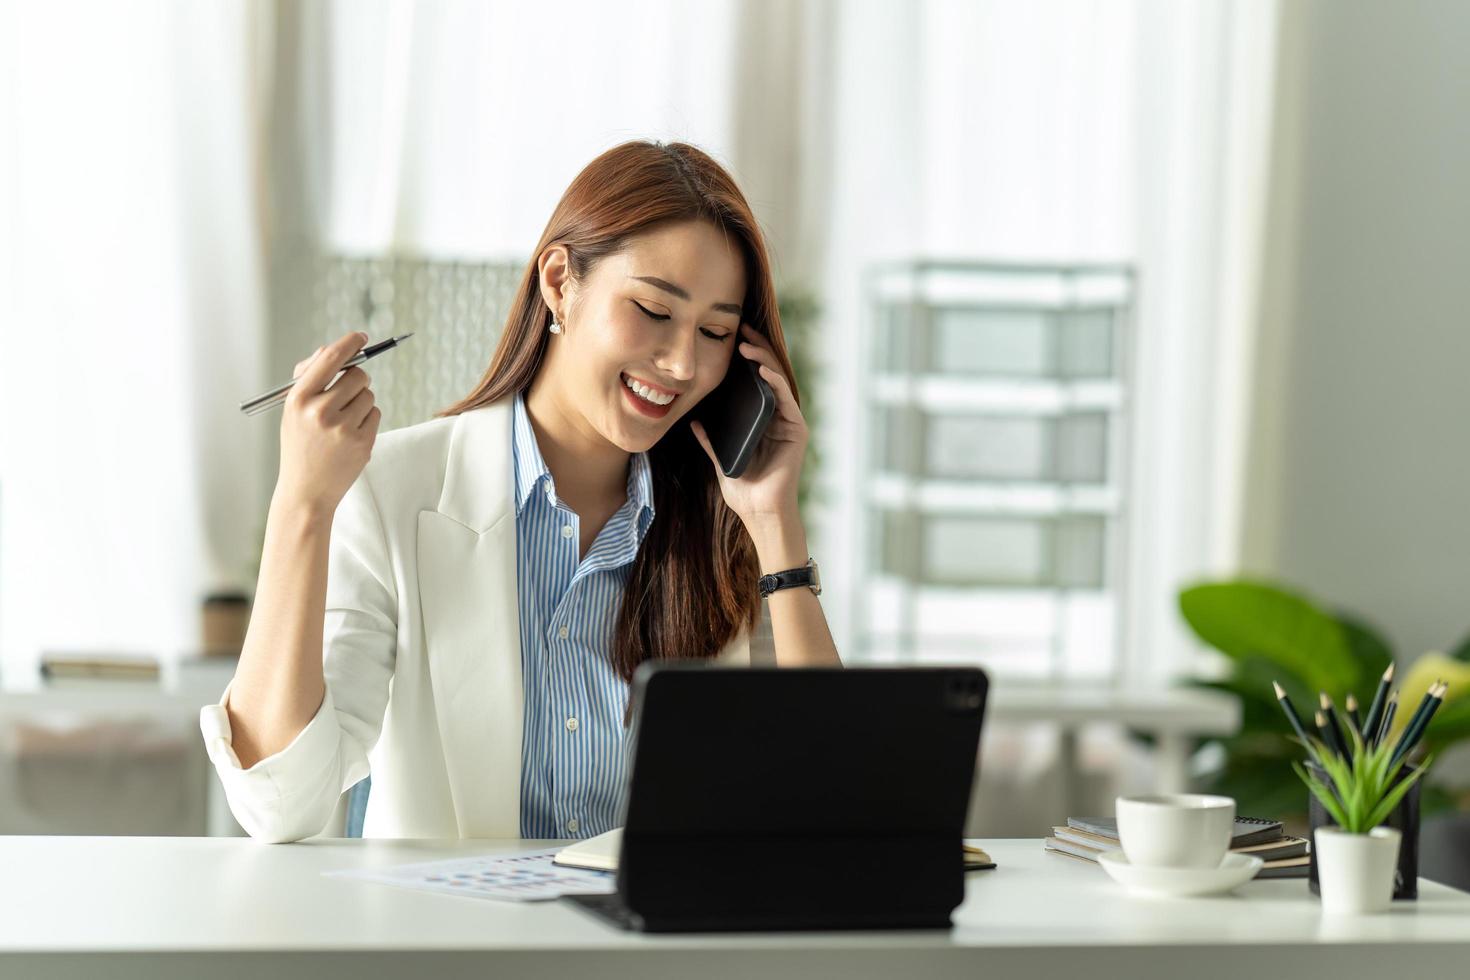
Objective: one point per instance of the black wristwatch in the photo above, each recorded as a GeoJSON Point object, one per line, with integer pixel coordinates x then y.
{"type": "Point", "coordinates": [807, 575]}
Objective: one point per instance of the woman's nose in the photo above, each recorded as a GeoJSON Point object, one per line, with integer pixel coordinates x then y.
{"type": "Point", "coordinates": [678, 360]}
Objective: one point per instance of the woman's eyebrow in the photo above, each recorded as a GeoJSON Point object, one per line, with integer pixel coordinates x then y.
{"type": "Point", "coordinates": [683, 293]}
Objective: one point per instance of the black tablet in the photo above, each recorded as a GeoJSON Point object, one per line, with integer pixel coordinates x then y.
{"type": "Point", "coordinates": [796, 798]}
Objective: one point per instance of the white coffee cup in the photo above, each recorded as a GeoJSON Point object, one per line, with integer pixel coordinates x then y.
{"type": "Point", "coordinates": [1175, 830]}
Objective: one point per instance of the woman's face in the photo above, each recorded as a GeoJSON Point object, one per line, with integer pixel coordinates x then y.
{"type": "Point", "coordinates": [663, 314]}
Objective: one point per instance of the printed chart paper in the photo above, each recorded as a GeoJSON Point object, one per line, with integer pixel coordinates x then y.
{"type": "Point", "coordinates": [528, 877]}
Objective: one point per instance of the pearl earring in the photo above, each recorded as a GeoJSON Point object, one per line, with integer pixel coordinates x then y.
{"type": "Point", "coordinates": [555, 327]}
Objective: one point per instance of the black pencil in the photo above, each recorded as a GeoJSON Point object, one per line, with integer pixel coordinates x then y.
{"type": "Point", "coordinates": [1414, 730]}
{"type": "Point", "coordinates": [1333, 724]}
{"type": "Point", "coordinates": [1328, 735]}
{"type": "Point", "coordinates": [1375, 710]}
{"type": "Point", "coordinates": [1352, 712]}
{"type": "Point", "coordinates": [1413, 721]}
{"type": "Point", "coordinates": [1296, 722]}
{"type": "Point", "coordinates": [1386, 725]}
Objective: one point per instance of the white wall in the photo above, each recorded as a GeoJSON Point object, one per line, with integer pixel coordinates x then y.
{"type": "Point", "coordinates": [1361, 467]}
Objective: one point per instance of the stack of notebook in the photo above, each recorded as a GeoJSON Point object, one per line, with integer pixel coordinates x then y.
{"type": "Point", "coordinates": [1284, 856]}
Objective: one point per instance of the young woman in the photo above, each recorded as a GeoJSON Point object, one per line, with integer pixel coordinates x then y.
{"type": "Point", "coordinates": [468, 598]}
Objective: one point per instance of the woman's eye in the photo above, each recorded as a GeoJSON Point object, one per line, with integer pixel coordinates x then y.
{"type": "Point", "coordinates": [660, 316]}
{"type": "Point", "coordinates": [649, 313]}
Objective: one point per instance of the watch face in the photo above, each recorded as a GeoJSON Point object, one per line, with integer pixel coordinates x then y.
{"type": "Point", "coordinates": [816, 576]}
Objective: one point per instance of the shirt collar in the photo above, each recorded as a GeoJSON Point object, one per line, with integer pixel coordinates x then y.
{"type": "Point", "coordinates": [640, 490]}
{"type": "Point", "coordinates": [530, 468]}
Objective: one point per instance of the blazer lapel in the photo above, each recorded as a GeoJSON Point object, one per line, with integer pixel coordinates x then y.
{"type": "Point", "coordinates": [468, 598]}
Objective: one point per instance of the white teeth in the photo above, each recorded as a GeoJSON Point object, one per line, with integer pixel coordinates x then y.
{"type": "Point", "coordinates": [647, 393]}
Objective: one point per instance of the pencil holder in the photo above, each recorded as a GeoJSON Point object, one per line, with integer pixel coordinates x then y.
{"type": "Point", "coordinates": [1404, 819]}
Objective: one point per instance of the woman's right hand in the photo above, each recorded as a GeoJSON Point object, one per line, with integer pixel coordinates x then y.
{"type": "Point", "coordinates": [326, 435]}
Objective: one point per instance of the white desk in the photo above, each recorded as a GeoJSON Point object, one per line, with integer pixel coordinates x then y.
{"type": "Point", "coordinates": [205, 907]}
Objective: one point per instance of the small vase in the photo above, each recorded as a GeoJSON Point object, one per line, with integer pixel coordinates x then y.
{"type": "Point", "coordinates": [1356, 870]}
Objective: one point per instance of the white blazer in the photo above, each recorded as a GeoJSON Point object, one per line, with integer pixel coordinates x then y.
{"type": "Point", "coordinates": [421, 650]}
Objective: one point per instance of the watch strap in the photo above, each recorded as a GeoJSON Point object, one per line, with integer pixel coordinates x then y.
{"type": "Point", "coordinates": [788, 579]}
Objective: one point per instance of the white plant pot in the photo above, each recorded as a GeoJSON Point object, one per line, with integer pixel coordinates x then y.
{"type": "Point", "coordinates": [1355, 872]}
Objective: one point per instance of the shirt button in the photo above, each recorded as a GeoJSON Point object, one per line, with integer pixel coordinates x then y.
{"type": "Point", "coordinates": [571, 724]}
{"type": "Point", "coordinates": [572, 825]}
{"type": "Point", "coordinates": [566, 530]}
{"type": "Point", "coordinates": [562, 632]}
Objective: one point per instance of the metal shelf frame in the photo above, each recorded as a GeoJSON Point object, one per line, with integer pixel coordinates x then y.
{"type": "Point", "coordinates": [895, 500]}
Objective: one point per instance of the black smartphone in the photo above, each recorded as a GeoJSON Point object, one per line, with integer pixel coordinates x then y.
{"type": "Point", "coordinates": [735, 415]}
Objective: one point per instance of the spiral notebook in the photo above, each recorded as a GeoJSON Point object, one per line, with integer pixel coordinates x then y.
{"type": "Point", "coordinates": [1248, 830]}
{"type": "Point", "coordinates": [1274, 850]}
{"type": "Point", "coordinates": [1294, 865]}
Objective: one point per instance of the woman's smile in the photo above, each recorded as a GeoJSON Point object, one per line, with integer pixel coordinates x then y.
{"type": "Point", "coordinates": [649, 401]}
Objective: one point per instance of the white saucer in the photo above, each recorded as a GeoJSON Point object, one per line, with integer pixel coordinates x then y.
{"type": "Point", "coordinates": [1235, 870]}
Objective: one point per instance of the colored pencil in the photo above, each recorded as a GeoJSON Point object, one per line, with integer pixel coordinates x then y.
{"type": "Point", "coordinates": [1375, 710]}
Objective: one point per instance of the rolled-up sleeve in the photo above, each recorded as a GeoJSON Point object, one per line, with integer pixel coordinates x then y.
{"type": "Point", "coordinates": [292, 793]}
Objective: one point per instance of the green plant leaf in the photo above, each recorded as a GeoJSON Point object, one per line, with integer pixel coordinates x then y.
{"type": "Point", "coordinates": [1256, 619]}
{"type": "Point", "coordinates": [1250, 681]}
{"type": "Point", "coordinates": [1259, 779]}
{"type": "Point", "coordinates": [1324, 794]}
{"type": "Point", "coordinates": [799, 309]}
{"type": "Point", "coordinates": [1462, 650]}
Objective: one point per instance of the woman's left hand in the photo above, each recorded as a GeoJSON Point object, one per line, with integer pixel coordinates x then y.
{"type": "Point", "coordinates": [766, 492]}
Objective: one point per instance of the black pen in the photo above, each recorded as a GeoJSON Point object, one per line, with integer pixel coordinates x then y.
{"type": "Point", "coordinates": [270, 399]}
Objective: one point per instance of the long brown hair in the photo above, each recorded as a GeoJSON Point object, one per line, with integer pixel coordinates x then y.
{"type": "Point", "coordinates": [692, 587]}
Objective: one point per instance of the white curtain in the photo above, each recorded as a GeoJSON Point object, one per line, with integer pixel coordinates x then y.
{"type": "Point", "coordinates": [1206, 105]}
{"type": "Point", "coordinates": [1070, 131]}
{"type": "Point", "coordinates": [451, 128]}
{"type": "Point", "coordinates": [133, 322]}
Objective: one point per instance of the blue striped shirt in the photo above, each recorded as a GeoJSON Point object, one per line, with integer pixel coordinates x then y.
{"type": "Point", "coordinates": [573, 753]}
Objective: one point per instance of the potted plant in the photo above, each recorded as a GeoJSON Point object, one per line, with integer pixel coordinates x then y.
{"type": "Point", "coordinates": [1268, 631]}
{"type": "Point", "coordinates": [1356, 859]}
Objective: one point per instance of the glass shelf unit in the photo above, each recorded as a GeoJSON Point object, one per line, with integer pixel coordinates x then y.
{"type": "Point", "coordinates": [994, 426]}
